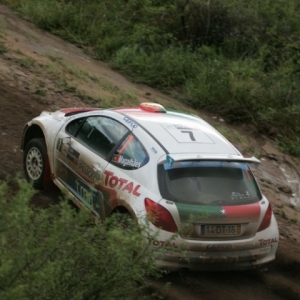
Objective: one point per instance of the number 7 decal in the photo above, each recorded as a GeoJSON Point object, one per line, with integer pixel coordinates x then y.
{"type": "Point", "coordinates": [190, 134]}
{"type": "Point", "coordinates": [187, 134]}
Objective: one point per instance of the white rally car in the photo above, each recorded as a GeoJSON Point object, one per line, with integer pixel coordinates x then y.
{"type": "Point", "coordinates": [147, 161]}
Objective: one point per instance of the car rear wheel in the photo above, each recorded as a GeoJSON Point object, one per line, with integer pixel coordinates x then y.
{"type": "Point", "coordinates": [34, 161]}
{"type": "Point", "coordinates": [124, 220]}
{"type": "Point", "coordinates": [120, 220]}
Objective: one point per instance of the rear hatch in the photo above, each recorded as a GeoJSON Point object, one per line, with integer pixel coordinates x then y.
{"type": "Point", "coordinates": [215, 200]}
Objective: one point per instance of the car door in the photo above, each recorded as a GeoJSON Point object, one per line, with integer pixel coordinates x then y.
{"type": "Point", "coordinates": [83, 148]}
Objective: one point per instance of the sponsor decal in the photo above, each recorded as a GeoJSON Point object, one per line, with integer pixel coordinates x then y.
{"type": "Point", "coordinates": [130, 122]}
{"type": "Point", "coordinates": [120, 184]}
{"type": "Point", "coordinates": [62, 147]}
{"type": "Point", "coordinates": [153, 150]}
{"type": "Point", "coordinates": [67, 151]}
{"type": "Point", "coordinates": [73, 155]}
{"type": "Point", "coordinates": [127, 161]}
{"type": "Point", "coordinates": [263, 242]}
{"type": "Point", "coordinates": [240, 196]}
{"type": "Point", "coordinates": [59, 145]}
{"type": "Point", "coordinates": [93, 199]}
{"type": "Point", "coordinates": [162, 243]}
{"type": "Point", "coordinates": [90, 197]}
{"type": "Point", "coordinates": [88, 171]}
{"type": "Point", "coordinates": [85, 193]}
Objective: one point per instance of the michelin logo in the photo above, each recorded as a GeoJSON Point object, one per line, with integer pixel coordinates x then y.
{"type": "Point", "coordinates": [127, 161]}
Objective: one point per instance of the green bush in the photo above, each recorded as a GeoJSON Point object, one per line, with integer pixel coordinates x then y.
{"type": "Point", "coordinates": [57, 253]}
{"type": "Point", "coordinates": [168, 68]}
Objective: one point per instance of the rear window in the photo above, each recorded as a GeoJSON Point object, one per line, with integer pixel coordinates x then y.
{"type": "Point", "coordinates": [131, 154]}
{"type": "Point", "coordinates": [208, 183]}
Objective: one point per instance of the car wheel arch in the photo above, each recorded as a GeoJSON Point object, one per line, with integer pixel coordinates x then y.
{"type": "Point", "coordinates": [122, 210]}
{"type": "Point", "coordinates": [31, 132]}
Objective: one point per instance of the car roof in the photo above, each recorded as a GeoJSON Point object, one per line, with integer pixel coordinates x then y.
{"type": "Point", "coordinates": [180, 132]}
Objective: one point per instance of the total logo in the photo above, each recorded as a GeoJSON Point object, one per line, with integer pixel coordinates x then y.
{"type": "Point", "coordinates": [263, 242]}
{"type": "Point", "coordinates": [162, 243]}
{"type": "Point", "coordinates": [120, 184]}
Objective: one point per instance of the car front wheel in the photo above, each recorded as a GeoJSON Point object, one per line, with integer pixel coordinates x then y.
{"type": "Point", "coordinates": [34, 161]}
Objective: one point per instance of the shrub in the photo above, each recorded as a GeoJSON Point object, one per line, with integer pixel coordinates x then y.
{"type": "Point", "coordinates": [57, 253]}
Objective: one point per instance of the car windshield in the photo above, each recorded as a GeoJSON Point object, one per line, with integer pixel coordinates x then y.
{"type": "Point", "coordinates": [208, 183]}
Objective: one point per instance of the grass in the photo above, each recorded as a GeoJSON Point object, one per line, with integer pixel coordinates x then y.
{"type": "Point", "coordinates": [40, 91]}
{"type": "Point", "coordinates": [203, 77]}
{"type": "Point", "coordinates": [243, 64]}
{"type": "Point", "coordinates": [90, 88]}
{"type": "Point", "coordinates": [241, 140]}
{"type": "Point", "coordinates": [3, 49]}
{"type": "Point", "coordinates": [26, 62]}
{"type": "Point", "coordinates": [100, 92]}
{"type": "Point", "coordinates": [114, 96]}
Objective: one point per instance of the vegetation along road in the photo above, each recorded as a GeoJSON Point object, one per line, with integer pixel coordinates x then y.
{"type": "Point", "coordinates": [40, 71]}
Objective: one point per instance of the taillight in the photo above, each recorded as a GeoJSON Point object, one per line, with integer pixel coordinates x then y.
{"type": "Point", "coordinates": [267, 219]}
{"type": "Point", "coordinates": [160, 216]}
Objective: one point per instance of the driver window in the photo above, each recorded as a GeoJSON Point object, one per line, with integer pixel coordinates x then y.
{"type": "Point", "coordinates": [74, 125]}
{"type": "Point", "coordinates": [100, 134]}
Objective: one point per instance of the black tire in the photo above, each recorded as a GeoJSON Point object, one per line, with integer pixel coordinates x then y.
{"type": "Point", "coordinates": [34, 162]}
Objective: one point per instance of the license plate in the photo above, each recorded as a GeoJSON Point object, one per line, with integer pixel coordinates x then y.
{"type": "Point", "coordinates": [221, 230]}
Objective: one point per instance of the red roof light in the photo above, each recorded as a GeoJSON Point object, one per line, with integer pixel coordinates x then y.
{"type": "Point", "coordinates": [152, 107]}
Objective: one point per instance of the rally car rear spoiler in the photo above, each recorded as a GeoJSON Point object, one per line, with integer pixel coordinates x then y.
{"type": "Point", "coordinates": [172, 158]}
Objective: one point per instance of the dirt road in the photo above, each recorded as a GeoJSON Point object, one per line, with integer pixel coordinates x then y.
{"type": "Point", "coordinates": [39, 72]}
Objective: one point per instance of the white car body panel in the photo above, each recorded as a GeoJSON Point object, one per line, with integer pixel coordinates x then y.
{"type": "Point", "coordinates": [167, 138]}
{"type": "Point", "coordinates": [175, 134]}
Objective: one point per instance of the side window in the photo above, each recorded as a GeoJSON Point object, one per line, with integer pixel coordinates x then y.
{"type": "Point", "coordinates": [101, 134]}
{"type": "Point", "coordinates": [74, 125]}
{"type": "Point", "coordinates": [131, 154]}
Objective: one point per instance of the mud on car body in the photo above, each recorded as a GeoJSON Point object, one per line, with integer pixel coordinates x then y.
{"type": "Point", "coordinates": [146, 161]}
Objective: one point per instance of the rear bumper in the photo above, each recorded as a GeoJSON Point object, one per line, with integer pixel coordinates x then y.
{"type": "Point", "coordinates": [216, 255]}
{"type": "Point", "coordinates": [219, 261]}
